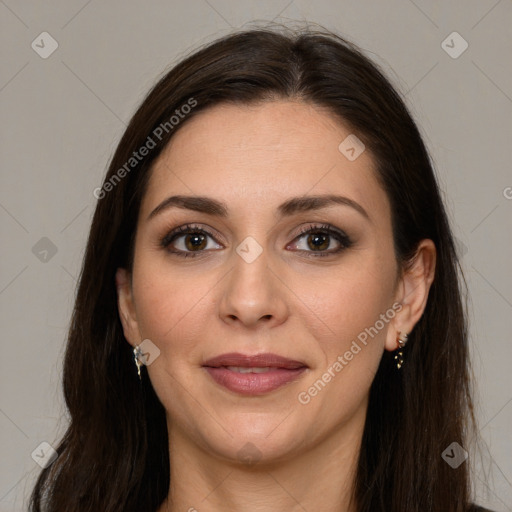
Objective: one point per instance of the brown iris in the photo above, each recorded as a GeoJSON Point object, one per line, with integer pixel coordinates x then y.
{"type": "Point", "coordinates": [316, 237]}
{"type": "Point", "coordinates": [198, 241]}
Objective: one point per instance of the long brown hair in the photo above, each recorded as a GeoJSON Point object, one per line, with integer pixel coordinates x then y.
{"type": "Point", "coordinates": [114, 455]}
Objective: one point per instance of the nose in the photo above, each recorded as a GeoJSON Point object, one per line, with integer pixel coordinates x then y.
{"type": "Point", "coordinates": [253, 294]}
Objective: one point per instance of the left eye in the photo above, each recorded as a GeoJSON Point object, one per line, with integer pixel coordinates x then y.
{"type": "Point", "coordinates": [318, 239]}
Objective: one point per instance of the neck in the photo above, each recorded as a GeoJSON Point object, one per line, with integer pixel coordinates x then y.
{"type": "Point", "coordinates": [321, 477]}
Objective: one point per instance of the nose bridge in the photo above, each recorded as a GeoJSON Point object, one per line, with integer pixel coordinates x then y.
{"type": "Point", "coordinates": [251, 291]}
{"type": "Point", "coordinates": [250, 274]}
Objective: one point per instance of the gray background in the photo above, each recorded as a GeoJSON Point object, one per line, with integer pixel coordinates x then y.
{"type": "Point", "coordinates": [63, 116]}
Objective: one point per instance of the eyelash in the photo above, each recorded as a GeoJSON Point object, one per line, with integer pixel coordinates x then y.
{"type": "Point", "coordinates": [325, 229]}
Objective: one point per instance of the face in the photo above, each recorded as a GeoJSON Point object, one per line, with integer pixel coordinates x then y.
{"type": "Point", "coordinates": [256, 269]}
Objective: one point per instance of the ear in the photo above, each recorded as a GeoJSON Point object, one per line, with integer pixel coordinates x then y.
{"type": "Point", "coordinates": [126, 307]}
{"type": "Point", "coordinates": [412, 292]}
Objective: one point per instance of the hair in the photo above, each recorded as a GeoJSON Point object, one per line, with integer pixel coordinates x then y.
{"type": "Point", "coordinates": [114, 455]}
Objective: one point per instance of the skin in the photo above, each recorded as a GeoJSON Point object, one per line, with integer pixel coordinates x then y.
{"type": "Point", "coordinates": [287, 301]}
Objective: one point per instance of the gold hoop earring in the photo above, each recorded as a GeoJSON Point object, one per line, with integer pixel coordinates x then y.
{"type": "Point", "coordinates": [401, 341]}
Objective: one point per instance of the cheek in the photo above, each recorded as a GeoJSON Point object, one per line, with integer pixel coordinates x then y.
{"type": "Point", "coordinates": [337, 389]}
{"type": "Point", "coordinates": [356, 310]}
{"type": "Point", "coordinates": [173, 308]}
{"type": "Point", "coordinates": [173, 311]}
{"type": "Point", "coordinates": [351, 298]}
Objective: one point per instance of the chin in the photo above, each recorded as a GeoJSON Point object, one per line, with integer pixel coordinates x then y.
{"type": "Point", "coordinates": [253, 438]}
{"type": "Point", "coordinates": [255, 450]}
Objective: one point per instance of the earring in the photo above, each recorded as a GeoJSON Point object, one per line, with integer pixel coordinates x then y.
{"type": "Point", "coordinates": [401, 341]}
{"type": "Point", "coordinates": [137, 352]}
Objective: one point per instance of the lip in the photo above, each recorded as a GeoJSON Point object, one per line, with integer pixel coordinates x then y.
{"type": "Point", "coordinates": [254, 361]}
{"type": "Point", "coordinates": [281, 371]}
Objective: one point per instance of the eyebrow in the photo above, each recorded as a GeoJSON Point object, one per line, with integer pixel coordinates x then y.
{"type": "Point", "coordinates": [291, 206]}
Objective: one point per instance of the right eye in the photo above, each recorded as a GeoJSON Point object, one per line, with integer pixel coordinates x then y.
{"type": "Point", "coordinates": [191, 239]}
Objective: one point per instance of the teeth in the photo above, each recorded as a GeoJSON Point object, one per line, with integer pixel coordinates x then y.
{"type": "Point", "coordinates": [242, 369]}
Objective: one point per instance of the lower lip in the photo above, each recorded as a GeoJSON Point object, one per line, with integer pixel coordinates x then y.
{"type": "Point", "coordinates": [253, 383]}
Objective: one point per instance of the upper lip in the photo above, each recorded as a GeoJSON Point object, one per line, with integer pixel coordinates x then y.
{"type": "Point", "coordinates": [266, 360]}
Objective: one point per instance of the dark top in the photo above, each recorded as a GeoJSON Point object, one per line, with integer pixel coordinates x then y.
{"type": "Point", "coordinates": [477, 508]}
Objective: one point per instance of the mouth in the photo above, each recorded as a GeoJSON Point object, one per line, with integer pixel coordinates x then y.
{"type": "Point", "coordinates": [253, 375]}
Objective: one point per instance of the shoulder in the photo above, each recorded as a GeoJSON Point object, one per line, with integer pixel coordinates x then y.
{"type": "Point", "coordinates": [476, 508]}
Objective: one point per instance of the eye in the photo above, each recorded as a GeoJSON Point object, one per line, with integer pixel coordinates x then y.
{"type": "Point", "coordinates": [319, 239]}
{"type": "Point", "coordinates": [194, 240]}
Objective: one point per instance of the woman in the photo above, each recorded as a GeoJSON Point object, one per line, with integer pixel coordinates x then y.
{"type": "Point", "coordinates": [269, 315]}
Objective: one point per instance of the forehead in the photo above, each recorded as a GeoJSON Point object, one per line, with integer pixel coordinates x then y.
{"type": "Point", "coordinates": [262, 154]}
